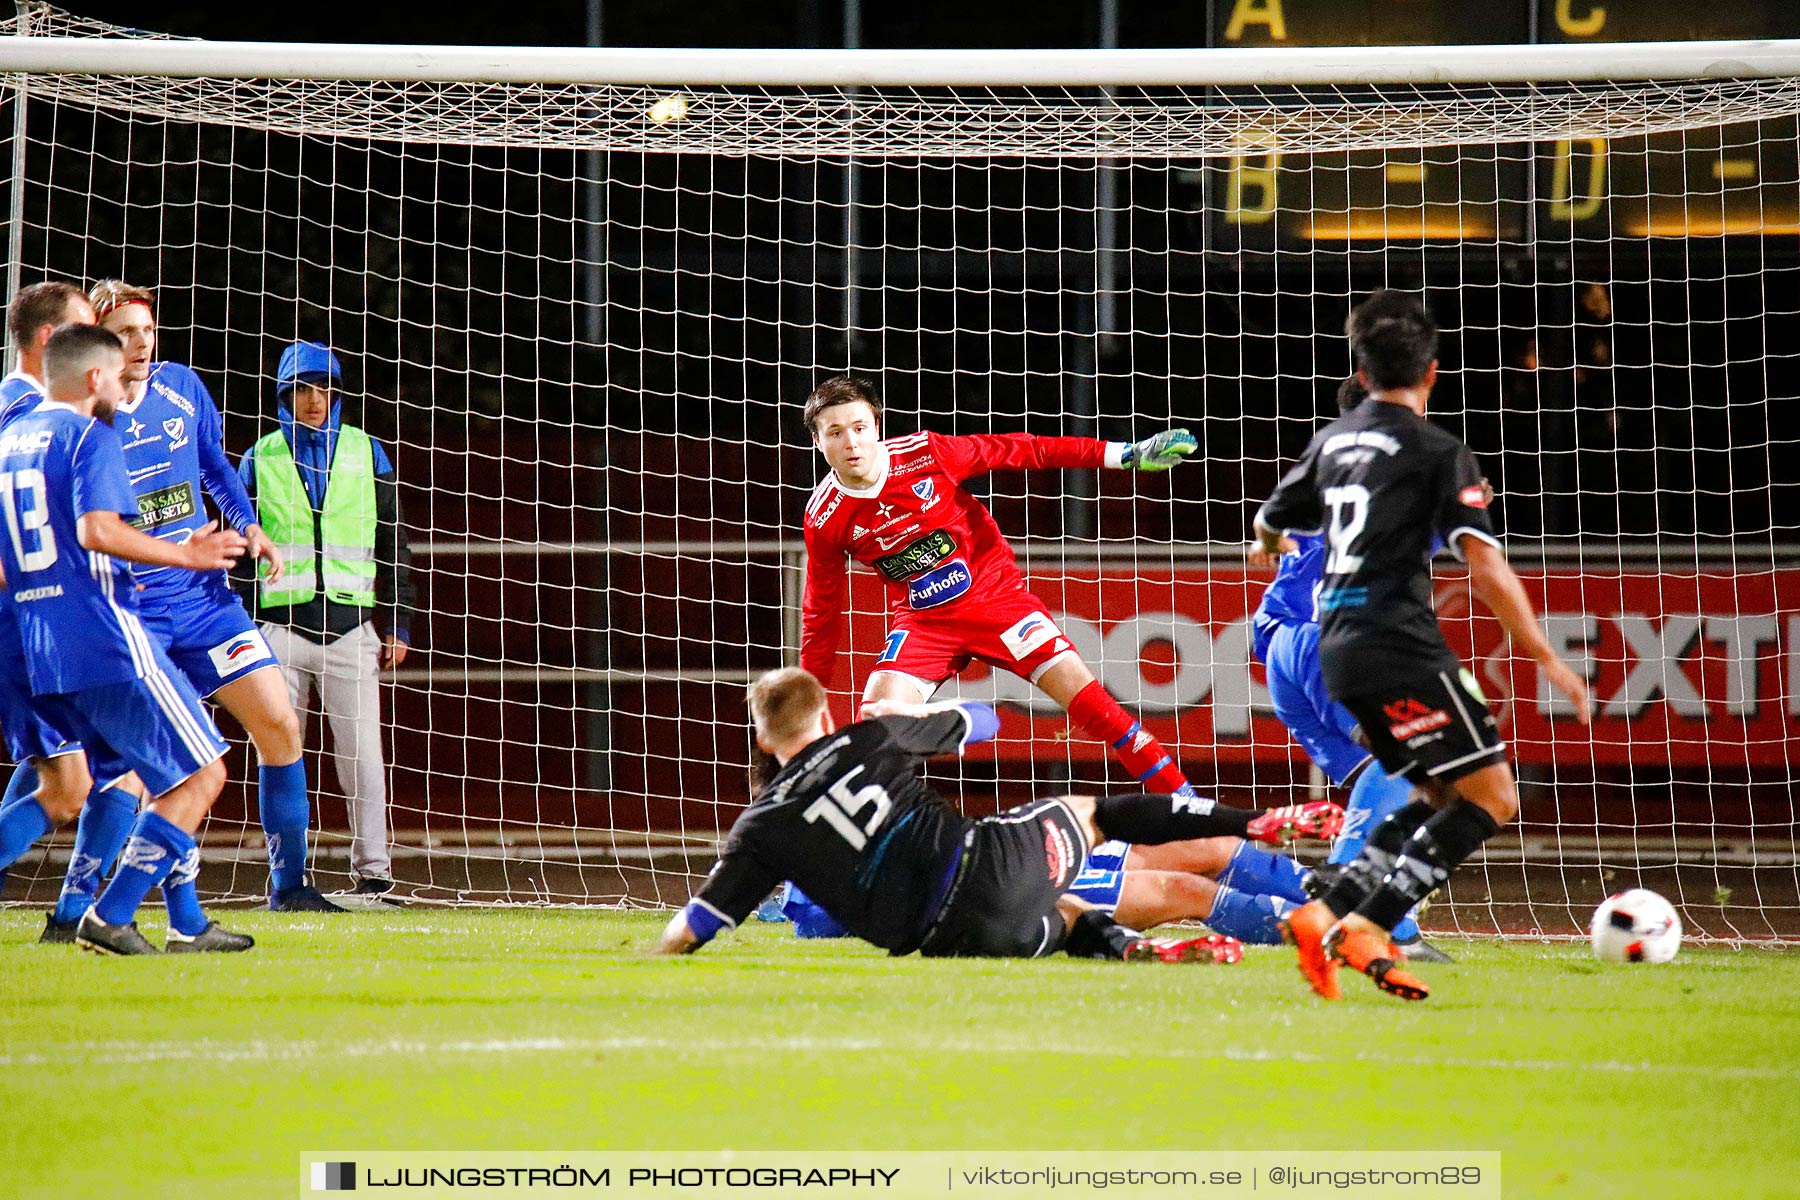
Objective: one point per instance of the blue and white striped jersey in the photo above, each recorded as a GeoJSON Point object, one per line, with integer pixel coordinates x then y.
{"type": "Point", "coordinates": [77, 610]}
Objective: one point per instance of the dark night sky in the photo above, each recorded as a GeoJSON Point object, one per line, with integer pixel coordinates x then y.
{"type": "Point", "coordinates": [628, 22]}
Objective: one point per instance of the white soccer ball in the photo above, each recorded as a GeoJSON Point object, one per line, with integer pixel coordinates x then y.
{"type": "Point", "coordinates": [1636, 926]}
{"type": "Point", "coordinates": [670, 108]}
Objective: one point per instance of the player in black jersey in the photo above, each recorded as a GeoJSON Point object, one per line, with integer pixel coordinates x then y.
{"type": "Point", "coordinates": [1381, 483]}
{"type": "Point", "coordinates": [848, 820]}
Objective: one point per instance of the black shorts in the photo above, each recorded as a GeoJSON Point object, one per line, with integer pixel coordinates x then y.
{"type": "Point", "coordinates": [1429, 724]}
{"type": "Point", "coordinates": [1015, 867]}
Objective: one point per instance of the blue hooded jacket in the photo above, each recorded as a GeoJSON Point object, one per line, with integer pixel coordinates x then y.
{"type": "Point", "coordinates": [313, 450]}
{"type": "Point", "coordinates": [313, 363]}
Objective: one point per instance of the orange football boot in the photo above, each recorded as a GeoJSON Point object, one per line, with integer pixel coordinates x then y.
{"type": "Point", "coordinates": [1361, 945]}
{"type": "Point", "coordinates": [1304, 929]}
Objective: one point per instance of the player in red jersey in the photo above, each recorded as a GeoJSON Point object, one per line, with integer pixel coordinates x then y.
{"type": "Point", "coordinates": [954, 589]}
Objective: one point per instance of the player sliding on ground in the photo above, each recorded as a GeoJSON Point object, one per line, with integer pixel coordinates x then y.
{"type": "Point", "coordinates": [954, 589]}
{"type": "Point", "coordinates": [1380, 483]}
{"type": "Point", "coordinates": [94, 671]}
{"type": "Point", "coordinates": [848, 819]}
{"type": "Point", "coordinates": [1141, 886]}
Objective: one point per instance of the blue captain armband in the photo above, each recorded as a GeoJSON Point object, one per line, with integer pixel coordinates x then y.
{"type": "Point", "coordinates": [984, 722]}
{"type": "Point", "coordinates": [705, 921]}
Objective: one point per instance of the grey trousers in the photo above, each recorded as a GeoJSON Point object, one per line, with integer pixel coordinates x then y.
{"type": "Point", "coordinates": [345, 675]}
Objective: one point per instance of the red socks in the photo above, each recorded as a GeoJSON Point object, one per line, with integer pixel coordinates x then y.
{"type": "Point", "coordinates": [1097, 714]}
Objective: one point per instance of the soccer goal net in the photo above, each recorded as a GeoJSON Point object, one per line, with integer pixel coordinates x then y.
{"type": "Point", "coordinates": [581, 316]}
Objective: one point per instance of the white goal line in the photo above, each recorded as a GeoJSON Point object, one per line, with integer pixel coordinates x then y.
{"type": "Point", "coordinates": [902, 68]}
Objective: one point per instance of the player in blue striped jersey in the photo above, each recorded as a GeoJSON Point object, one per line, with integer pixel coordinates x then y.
{"type": "Point", "coordinates": [59, 784]}
{"type": "Point", "coordinates": [67, 500]}
{"type": "Point", "coordinates": [173, 440]}
{"type": "Point", "coordinates": [61, 777]}
{"type": "Point", "coordinates": [1285, 639]}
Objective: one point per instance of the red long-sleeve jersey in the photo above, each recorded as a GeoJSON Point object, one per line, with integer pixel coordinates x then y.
{"type": "Point", "coordinates": [935, 546]}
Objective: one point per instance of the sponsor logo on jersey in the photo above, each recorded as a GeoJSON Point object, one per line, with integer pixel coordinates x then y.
{"type": "Point", "coordinates": [1336, 598]}
{"type": "Point", "coordinates": [176, 428]}
{"type": "Point", "coordinates": [165, 505]}
{"type": "Point", "coordinates": [1029, 634]}
{"type": "Point", "coordinates": [38, 593]}
{"type": "Point", "coordinates": [25, 443]}
{"type": "Point", "coordinates": [140, 433]}
{"type": "Point", "coordinates": [239, 652]}
{"type": "Point", "coordinates": [173, 397]}
{"type": "Point", "coordinates": [921, 555]}
{"type": "Point", "coordinates": [1363, 438]}
{"type": "Point", "coordinates": [941, 586]}
{"type": "Point", "coordinates": [1059, 853]}
{"type": "Point", "coordinates": [857, 531]}
{"type": "Point", "coordinates": [1410, 718]}
{"type": "Point", "coordinates": [824, 514]}
{"type": "Point", "coordinates": [885, 542]}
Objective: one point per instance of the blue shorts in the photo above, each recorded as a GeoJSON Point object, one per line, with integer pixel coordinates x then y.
{"type": "Point", "coordinates": [208, 635]}
{"type": "Point", "coordinates": [1323, 727]}
{"type": "Point", "coordinates": [1102, 878]}
{"type": "Point", "coordinates": [154, 725]}
{"type": "Point", "coordinates": [30, 733]}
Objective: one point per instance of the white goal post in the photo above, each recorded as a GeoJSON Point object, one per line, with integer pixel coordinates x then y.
{"type": "Point", "coordinates": [580, 294]}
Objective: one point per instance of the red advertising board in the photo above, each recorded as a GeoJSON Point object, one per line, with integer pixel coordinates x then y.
{"type": "Point", "coordinates": [1688, 667]}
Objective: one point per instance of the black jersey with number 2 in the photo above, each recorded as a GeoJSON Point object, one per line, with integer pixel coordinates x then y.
{"type": "Point", "coordinates": [1382, 484]}
{"type": "Point", "coordinates": [849, 821]}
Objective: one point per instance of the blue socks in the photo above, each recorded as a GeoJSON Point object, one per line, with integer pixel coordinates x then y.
{"type": "Point", "coordinates": [181, 896]}
{"type": "Point", "coordinates": [24, 782]}
{"type": "Point", "coordinates": [1251, 919]}
{"type": "Point", "coordinates": [281, 802]}
{"type": "Point", "coordinates": [1259, 871]}
{"type": "Point", "coordinates": [1375, 795]}
{"type": "Point", "coordinates": [20, 813]}
{"type": "Point", "coordinates": [156, 847]}
{"type": "Point", "coordinates": [99, 836]}
{"type": "Point", "coordinates": [22, 822]}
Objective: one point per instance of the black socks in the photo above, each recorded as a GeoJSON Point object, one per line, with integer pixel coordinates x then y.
{"type": "Point", "coordinates": [1437, 848]}
{"type": "Point", "coordinates": [1364, 874]}
{"type": "Point", "coordinates": [1096, 935]}
{"type": "Point", "coordinates": [1152, 820]}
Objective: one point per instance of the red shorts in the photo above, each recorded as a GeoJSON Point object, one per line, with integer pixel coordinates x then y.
{"type": "Point", "coordinates": [1012, 633]}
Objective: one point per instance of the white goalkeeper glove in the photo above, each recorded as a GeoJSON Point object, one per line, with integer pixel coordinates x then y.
{"type": "Point", "coordinates": [1159, 452]}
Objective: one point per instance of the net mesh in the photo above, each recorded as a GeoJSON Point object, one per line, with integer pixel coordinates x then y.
{"type": "Point", "coordinates": [581, 319]}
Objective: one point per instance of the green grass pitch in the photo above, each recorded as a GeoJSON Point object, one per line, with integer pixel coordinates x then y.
{"type": "Point", "coordinates": [507, 1030]}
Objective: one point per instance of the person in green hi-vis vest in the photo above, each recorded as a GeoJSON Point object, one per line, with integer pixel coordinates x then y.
{"type": "Point", "coordinates": [325, 493]}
